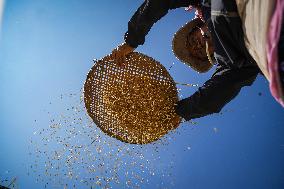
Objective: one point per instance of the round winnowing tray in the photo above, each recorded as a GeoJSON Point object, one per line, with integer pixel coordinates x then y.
{"type": "Point", "coordinates": [133, 103]}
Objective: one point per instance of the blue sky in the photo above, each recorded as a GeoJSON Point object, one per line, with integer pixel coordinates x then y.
{"type": "Point", "coordinates": [46, 50]}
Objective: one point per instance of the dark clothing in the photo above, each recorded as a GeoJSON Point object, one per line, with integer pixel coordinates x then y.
{"type": "Point", "coordinates": [227, 35]}
{"type": "Point", "coordinates": [224, 85]}
{"type": "Point", "coordinates": [147, 14]}
{"type": "Point", "coordinates": [235, 67]}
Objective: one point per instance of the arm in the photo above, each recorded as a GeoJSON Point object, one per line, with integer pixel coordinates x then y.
{"type": "Point", "coordinates": [149, 13]}
{"type": "Point", "coordinates": [235, 70]}
{"type": "Point", "coordinates": [223, 86]}
{"type": "Point", "coordinates": [142, 21]}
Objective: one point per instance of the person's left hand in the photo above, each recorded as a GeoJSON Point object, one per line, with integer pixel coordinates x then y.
{"type": "Point", "coordinates": [198, 12]}
{"type": "Point", "coordinates": [118, 54]}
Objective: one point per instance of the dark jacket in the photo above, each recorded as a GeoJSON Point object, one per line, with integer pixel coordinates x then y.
{"type": "Point", "coordinates": [235, 67]}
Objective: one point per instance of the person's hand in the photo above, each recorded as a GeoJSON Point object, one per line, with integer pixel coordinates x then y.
{"type": "Point", "coordinates": [119, 53]}
{"type": "Point", "coordinates": [198, 12]}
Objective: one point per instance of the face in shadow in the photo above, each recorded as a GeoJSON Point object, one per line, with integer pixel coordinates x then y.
{"type": "Point", "coordinates": [196, 42]}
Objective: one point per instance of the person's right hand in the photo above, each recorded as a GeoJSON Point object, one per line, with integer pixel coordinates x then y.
{"type": "Point", "coordinates": [119, 53]}
{"type": "Point", "coordinates": [198, 11]}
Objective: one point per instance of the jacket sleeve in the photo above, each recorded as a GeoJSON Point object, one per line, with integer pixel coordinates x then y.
{"type": "Point", "coordinates": [147, 14]}
{"type": "Point", "coordinates": [223, 86]}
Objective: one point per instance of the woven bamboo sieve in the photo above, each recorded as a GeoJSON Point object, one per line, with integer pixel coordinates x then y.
{"type": "Point", "coordinates": [133, 103]}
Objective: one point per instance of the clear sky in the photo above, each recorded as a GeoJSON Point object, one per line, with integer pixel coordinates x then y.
{"type": "Point", "coordinates": [46, 50]}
